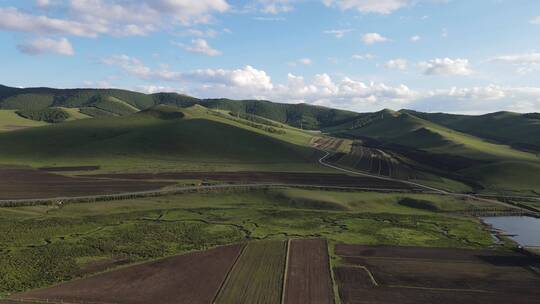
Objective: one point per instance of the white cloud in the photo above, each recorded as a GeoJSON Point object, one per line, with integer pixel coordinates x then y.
{"type": "Point", "coordinates": [340, 33]}
{"type": "Point", "coordinates": [301, 61]}
{"type": "Point", "coordinates": [371, 38]}
{"type": "Point", "coordinates": [478, 100]}
{"type": "Point", "coordinates": [247, 77]}
{"type": "Point", "coordinates": [366, 56]}
{"type": "Point", "coordinates": [269, 18]}
{"type": "Point", "coordinates": [370, 6]}
{"type": "Point", "coordinates": [524, 62]}
{"type": "Point", "coordinates": [535, 20]}
{"type": "Point", "coordinates": [199, 46]}
{"type": "Point", "coordinates": [43, 3]}
{"type": "Point", "coordinates": [249, 82]}
{"type": "Point", "coordinates": [135, 67]}
{"type": "Point", "coordinates": [305, 61]}
{"type": "Point", "coordinates": [39, 46]}
{"type": "Point", "coordinates": [446, 67]}
{"type": "Point", "coordinates": [444, 33]}
{"type": "Point", "coordinates": [210, 33]}
{"type": "Point", "coordinates": [397, 64]}
{"type": "Point", "coordinates": [11, 19]}
{"type": "Point", "coordinates": [276, 6]}
{"type": "Point", "coordinates": [91, 18]}
{"type": "Point", "coordinates": [415, 38]}
{"type": "Point", "coordinates": [345, 93]}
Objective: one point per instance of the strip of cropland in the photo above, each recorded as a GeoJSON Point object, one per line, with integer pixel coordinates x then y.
{"type": "Point", "coordinates": [27, 183]}
{"type": "Point", "coordinates": [257, 276]}
{"type": "Point", "coordinates": [308, 275]}
{"type": "Point", "coordinates": [191, 278]}
{"type": "Point", "coordinates": [293, 178]}
{"type": "Point", "coordinates": [388, 274]}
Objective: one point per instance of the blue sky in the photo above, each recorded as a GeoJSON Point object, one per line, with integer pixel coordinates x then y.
{"type": "Point", "coordinates": [457, 56]}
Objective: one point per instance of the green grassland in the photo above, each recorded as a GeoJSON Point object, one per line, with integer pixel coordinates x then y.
{"type": "Point", "coordinates": [520, 130]}
{"type": "Point", "coordinates": [495, 160]}
{"type": "Point", "coordinates": [144, 141]}
{"type": "Point", "coordinates": [257, 276]}
{"type": "Point", "coordinates": [10, 120]}
{"type": "Point", "coordinates": [42, 245]}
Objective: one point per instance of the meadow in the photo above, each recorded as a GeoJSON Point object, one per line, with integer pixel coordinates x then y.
{"type": "Point", "coordinates": [44, 245]}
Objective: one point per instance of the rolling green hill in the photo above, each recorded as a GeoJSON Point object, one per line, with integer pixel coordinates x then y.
{"type": "Point", "coordinates": [112, 102]}
{"type": "Point", "coordinates": [518, 130]}
{"type": "Point", "coordinates": [141, 132]}
{"type": "Point", "coordinates": [193, 138]}
{"type": "Point", "coordinates": [444, 150]}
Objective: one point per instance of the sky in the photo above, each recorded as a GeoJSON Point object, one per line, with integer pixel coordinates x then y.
{"type": "Point", "coordinates": [457, 56]}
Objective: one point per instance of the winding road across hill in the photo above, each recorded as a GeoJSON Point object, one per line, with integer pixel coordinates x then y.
{"type": "Point", "coordinates": [429, 188]}
{"type": "Point", "coordinates": [261, 185]}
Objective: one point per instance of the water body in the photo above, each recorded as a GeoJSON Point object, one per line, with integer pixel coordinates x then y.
{"type": "Point", "coordinates": [525, 230]}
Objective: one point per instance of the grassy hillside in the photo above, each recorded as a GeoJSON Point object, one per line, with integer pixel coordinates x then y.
{"type": "Point", "coordinates": [10, 120]}
{"type": "Point", "coordinates": [411, 131]}
{"type": "Point", "coordinates": [518, 130]}
{"type": "Point", "coordinates": [156, 139]}
{"type": "Point", "coordinates": [102, 102]}
{"type": "Point", "coordinates": [445, 151]}
{"type": "Point", "coordinates": [298, 115]}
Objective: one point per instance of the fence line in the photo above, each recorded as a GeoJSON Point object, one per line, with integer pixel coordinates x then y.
{"type": "Point", "coordinates": [180, 190]}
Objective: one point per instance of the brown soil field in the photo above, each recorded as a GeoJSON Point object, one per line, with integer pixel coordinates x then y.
{"type": "Point", "coordinates": [191, 278]}
{"type": "Point", "coordinates": [375, 161]}
{"type": "Point", "coordinates": [26, 183]}
{"type": "Point", "coordinates": [435, 275]}
{"type": "Point", "coordinates": [308, 274]}
{"type": "Point", "coordinates": [313, 179]}
{"type": "Point", "coordinates": [69, 169]}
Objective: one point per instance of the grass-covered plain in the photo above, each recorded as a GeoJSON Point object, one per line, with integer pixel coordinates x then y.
{"type": "Point", "coordinates": [43, 245]}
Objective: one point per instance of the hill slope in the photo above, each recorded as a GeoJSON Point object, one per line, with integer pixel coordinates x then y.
{"type": "Point", "coordinates": [446, 150]}
{"type": "Point", "coordinates": [158, 139]}
{"type": "Point", "coordinates": [108, 102]}
{"type": "Point", "coordinates": [518, 130]}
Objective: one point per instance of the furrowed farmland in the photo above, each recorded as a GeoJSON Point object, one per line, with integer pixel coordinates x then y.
{"type": "Point", "coordinates": [386, 274]}
{"type": "Point", "coordinates": [257, 276]}
{"type": "Point", "coordinates": [374, 161]}
{"type": "Point", "coordinates": [26, 183]}
{"type": "Point", "coordinates": [308, 275]}
{"type": "Point", "coordinates": [191, 278]}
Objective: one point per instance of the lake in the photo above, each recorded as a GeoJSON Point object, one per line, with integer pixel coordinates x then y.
{"type": "Point", "coordinates": [525, 228]}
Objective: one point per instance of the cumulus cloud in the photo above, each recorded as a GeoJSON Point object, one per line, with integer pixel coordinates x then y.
{"type": "Point", "coordinates": [247, 77]}
{"type": "Point", "coordinates": [275, 6]}
{"type": "Point", "coordinates": [372, 38]}
{"type": "Point", "coordinates": [369, 6]}
{"type": "Point", "coordinates": [43, 3]}
{"type": "Point", "coordinates": [39, 46]}
{"type": "Point", "coordinates": [397, 64]}
{"type": "Point", "coordinates": [11, 19]}
{"type": "Point", "coordinates": [91, 18]}
{"type": "Point", "coordinates": [446, 67]}
{"type": "Point", "coordinates": [535, 20]}
{"type": "Point", "coordinates": [209, 33]}
{"type": "Point", "coordinates": [338, 33]}
{"type": "Point", "coordinates": [415, 38]}
{"type": "Point", "coordinates": [366, 56]}
{"type": "Point", "coordinates": [482, 99]}
{"type": "Point", "coordinates": [524, 62]}
{"type": "Point", "coordinates": [301, 61]}
{"type": "Point", "coordinates": [199, 46]}
{"type": "Point", "coordinates": [249, 82]}
{"type": "Point", "coordinates": [322, 89]}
